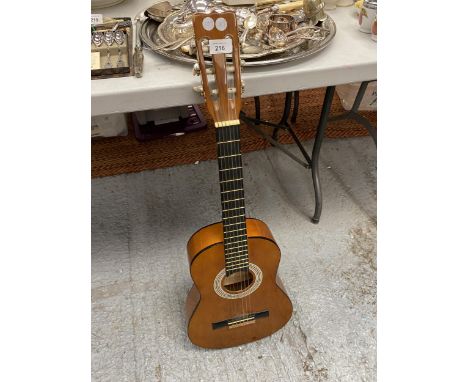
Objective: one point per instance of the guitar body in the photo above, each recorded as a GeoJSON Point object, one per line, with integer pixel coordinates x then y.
{"type": "Point", "coordinates": [215, 313]}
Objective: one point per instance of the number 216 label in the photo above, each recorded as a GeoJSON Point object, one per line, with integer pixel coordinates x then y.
{"type": "Point", "coordinates": [221, 46]}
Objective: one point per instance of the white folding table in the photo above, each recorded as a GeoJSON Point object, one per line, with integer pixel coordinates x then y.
{"type": "Point", "coordinates": [350, 57]}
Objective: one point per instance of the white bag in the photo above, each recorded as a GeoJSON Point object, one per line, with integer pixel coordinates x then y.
{"type": "Point", "coordinates": [112, 125]}
{"type": "Point", "coordinates": [348, 92]}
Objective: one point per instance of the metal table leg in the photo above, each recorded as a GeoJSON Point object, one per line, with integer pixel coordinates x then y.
{"type": "Point", "coordinates": [354, 113]}
{"type": "Point", "coordinates": [285, 116]}
{"type": "Point", "coordinates": [327, 102]}
{"type": "Point", "coordinates": [296, 107]}
{"type": "Point", "coordinates": [310, 162]}
{"type": "Point", "coordinates": [257, 108]}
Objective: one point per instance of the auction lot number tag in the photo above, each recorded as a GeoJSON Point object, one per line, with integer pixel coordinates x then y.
{"type": "Point", "coordinates": [96, 19]}
{"type": "Point", "coordinates": [221, 46]}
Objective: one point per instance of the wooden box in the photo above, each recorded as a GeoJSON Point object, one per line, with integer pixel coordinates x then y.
{"type": "Point", "coordinates": [102, 54]}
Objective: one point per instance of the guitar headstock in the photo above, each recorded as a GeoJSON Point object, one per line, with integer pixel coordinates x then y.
{"type": "Point", "coordinates": [217, 32]}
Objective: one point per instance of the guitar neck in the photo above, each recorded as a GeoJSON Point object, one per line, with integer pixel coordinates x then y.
{"type": "Point", "coordinates": [232, 198]}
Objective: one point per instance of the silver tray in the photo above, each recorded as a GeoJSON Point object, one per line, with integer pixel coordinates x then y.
{"type": "Point", "coordinates": [151, 39]}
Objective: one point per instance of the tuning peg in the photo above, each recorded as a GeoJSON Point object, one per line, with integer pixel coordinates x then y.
{"type": "Point", "coordinates": [199, 89]}
{"type": "Point", "coordinates": [189, 49]}
{"type": "Point", "coordinates": [196, 70]}
{"type": "Point", "coordinates": [229, 91]}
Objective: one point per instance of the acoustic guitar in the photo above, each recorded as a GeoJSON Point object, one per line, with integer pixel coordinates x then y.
{"type": "Point", "coordinates": [237, 296]}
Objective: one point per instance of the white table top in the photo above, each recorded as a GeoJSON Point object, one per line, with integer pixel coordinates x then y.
{"type": "Point", "coordinates": [350, 57]}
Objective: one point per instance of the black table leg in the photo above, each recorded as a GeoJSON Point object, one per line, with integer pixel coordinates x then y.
{"type": "Point", "coordinates": [310, 162]}
{"type": "Point", "coordinates": [286, 111]}
{"type": "Point", "coordinates": [327, 102]}
{"type": "Point", "coordinates": [257, 108]}
{"type": "Point", "coordinates": [353, 114]}
{"type": "Point", "coordinates": [296, 107]}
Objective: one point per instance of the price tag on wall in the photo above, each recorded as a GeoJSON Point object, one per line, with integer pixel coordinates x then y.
{"type": "Point", "coordinates": [96, 19]}
{"type": "Point", "coordinates": [221, 46]}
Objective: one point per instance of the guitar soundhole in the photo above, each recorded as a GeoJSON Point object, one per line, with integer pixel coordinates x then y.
{"type": "Point", "coordinates": [238, 281]}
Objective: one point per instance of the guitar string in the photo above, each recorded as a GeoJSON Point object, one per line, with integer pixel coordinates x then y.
{"type": "Point", "coordinates": [223, 177]}
{"type": "Point", "coordinates": [235, 162]}
{"type": "Point", "coordinates": [226, 163]}
{"type": "Point", "coordinates": [245, 251]}
{"type": "Point", "coordinates": [238, 197]}
{"type": "Point", "coordinates": [246, 256]}
{"type": "Point", "coordinates": [242, 226]}
{"type": "Point", "coordinates": [232, 163]}
{"type": "Point", "coordinates": [228, 186]}
{"type": "Point", "coordinates": [240, 201]}
{"type": "Point", "coordinates": [231, 156]}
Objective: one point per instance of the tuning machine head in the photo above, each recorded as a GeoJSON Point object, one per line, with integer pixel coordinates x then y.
{"type": "Point", "coordinates": [199, 89]}
{"type": "Point", "coordinates": [196, 69]}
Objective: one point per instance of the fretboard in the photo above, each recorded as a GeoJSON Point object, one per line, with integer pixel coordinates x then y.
{"type": "Point", "coordinates": [232, 199]}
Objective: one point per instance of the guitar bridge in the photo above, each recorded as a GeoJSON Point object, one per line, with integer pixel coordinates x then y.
{"type": "Point", "coordinates": [240, 321]}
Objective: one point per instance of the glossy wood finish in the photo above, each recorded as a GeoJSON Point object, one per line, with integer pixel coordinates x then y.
{"type": "Point", "coordinates": [213, 234]}
{"type": "Point", "coordinates": [205, 307]}
{"type": "Point", "coordinates": [245, 246]}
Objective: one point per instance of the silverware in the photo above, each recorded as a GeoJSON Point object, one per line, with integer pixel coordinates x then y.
{"type": "Point", "coordinates": [120, 62]}
{"type": "Point", "coordinates": [138, 57]}
{"type": "Point", "coordinates": [286, 23]}
{"type": "Point", "coordinates": [119, 38]}
{"type": "Point", "coordinates": [197, 6]}
{"type": "Point", "coordinates": [277, 37]}
{"type": "Point", "coordinates": [98, 38]}
{"type": "Point", "coordinates": [250, 22]}
{"type": "Point", "coordinates": [174, 35]}
{"type": "Point", "coordinates": [108, 64]}
{"type": "Point", "coordinates": [175, 45]}
{"type": "Point", "coordinates": [109, 38]}
{"type": "Point", "coordinates": [159, 11]}
{"type": "Point", "coordinates": [314, 10]}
